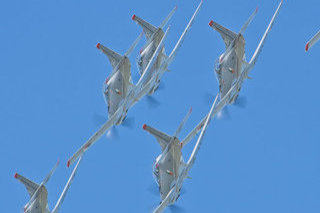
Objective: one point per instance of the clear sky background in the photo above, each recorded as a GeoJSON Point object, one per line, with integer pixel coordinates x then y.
{"type": "Point", "coordinates": [264, 159]}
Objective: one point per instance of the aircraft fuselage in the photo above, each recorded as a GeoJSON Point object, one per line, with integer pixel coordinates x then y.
{"type": "Point", "coordinates": [167, 167]}
{"type": "Point", "coordinates": [229, 66]}
{"type": "Point", "coordinates": [117, 88]}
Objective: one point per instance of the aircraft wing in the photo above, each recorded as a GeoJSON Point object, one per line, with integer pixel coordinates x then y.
{"type": "Point", "coordinates": [96, 136]}
{"type": "Point", "coordinates": [199, 141]}
{"type": "Point", "coordinates": [66, 188]}
{"type": "Point", "coordinates": [180, 41]}
{"type": "Point", "coordinates": [313, 41]}
{"type": "Point", "coordinates": [260, 46]}
{"type": "Point", "coordinates": [165, 202]}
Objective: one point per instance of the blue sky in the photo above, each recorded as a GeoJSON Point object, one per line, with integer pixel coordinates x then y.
{"type": "Point", "coordinates": [264, 159]}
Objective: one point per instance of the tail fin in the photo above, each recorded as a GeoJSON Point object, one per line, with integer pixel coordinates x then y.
{"type": "Point", "coordinates": [181, 39]}
{"type": "Point", "coordinates": [313, 41]}
{"type": "Point", "coordinates": [161, 137]}
{"type": "Point", "coordinates": [148, 28]}
{"type": "Point", "coordinates": [113, 57]}
{"type": "Point", "coordinates": [66, 188]}
{"type": "Point", "coordinates": [227, 35]}
{"type": "Point", "coordinates": [31, 186]}
{"type": "Point", "coordinates": [260, 46]}
{"type": "Point", "coordinates": [134, 45]}
{"type": "Point", "coordinates": [176, 134]}
{"type": "Point", "coordinates": [167, 19]}
{"type": "Point", "coordinates": [245, 26]}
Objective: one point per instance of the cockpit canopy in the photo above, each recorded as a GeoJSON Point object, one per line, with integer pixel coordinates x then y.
{"type": "Point", "coordinates": [139, 61]}
{"type": "Point", "coordinates": [217, 66]}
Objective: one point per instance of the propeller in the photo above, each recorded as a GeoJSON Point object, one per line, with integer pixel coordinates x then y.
{"type": "Point", "coordinates": [176, 209]}
{"type": "Point", "coordinates": [241, 102]}
{"type": "Point", "coordinates": [113, 133]}
{"type": "Point", "coordinates": [224, 113]}
{"type": "Point", "coordinates": [152, 102]}
{"type": "Point", "coordinates": [128, 122]}
{"type": "Point", "coordinates": [154, 189]}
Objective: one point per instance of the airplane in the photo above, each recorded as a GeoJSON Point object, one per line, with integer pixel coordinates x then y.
{"type": "Point", "coordinates": [144, 86]}
{"type": "Point", "coordinates": [170, 169]}
{"type": "Point", "coordinates": [117, 86]}
{"type": "Point", "coordinates": [154, 35]}
{"type": "Point", "coordinates": [231, 67]}
{"type": "Point", "coordinates": [38, 202]}
{"type": "Point", "coordinates": [312, 42]}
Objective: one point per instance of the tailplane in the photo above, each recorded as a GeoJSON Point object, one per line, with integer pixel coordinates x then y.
{"type": "Point", "coordinates": [30, 185]}
{"type": "Point", "coordinates": [227, 35]}
{"type": "Point", "coordinates": [148, 28]}
{"type": "Point", "coordinates": [161, 137]}
{"type": "Point", "coordinates": [113, 57]}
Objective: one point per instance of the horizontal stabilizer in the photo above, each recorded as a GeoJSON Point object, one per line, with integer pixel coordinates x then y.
{"type": "Point", "coordinates": [31, 186]}
{"type": "Point", "coordinates": [313, 41]}
{"type": "Point", "coordinates": [161, 137]}
{"type": "Point", "coordinates": [227, 35]}
{"type": "Point", "coordinates": [113, 57]}
{"type": "Point", "coordinates": [148, 28]}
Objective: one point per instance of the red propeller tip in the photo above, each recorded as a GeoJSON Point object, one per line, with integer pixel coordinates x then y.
{"type": "Point", "coordinates": [98, 45]}
{"type": "Point", "coordinates": [144, 126]}
{"type": "Point", "coordinates": [133, 17]}
{"type": "Point", "coordinates": [211, 23]}
{"type": "Point", "coordinates": [16, 175]}
{"type": "Point", "coordinates": [68, 163]}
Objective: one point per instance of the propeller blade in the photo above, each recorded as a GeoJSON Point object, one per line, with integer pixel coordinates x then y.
{"type": "Point", "coordinates": [241, 102]}
{"type": "Point", "coordinates": [129, 122]}
{"type": "Point", "coordinates": [154, 189]}
{"type": "Point", "coordinates": [176, 209]}
{"type": "Point", "coordinates": [98, 119]}
{"type": "Point", "coordinates": [207, 98]}
{"type": "Point", "coordinates": [162, 86]}
{"type": "Point", "coordinates": [152, 102]}
{"type": "Point", "coordinates": [113, 133]}
{"type": "Point", "coordinates": [224, 113]}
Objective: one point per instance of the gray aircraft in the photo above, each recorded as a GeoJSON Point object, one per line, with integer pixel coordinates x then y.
{"type": "Point", "coordinates": [170, 169]}
{"type": "Point", "coordinates": [38, 202]}
{"type": "Point", "coordinates": [121, 91]}
{"type": "Point", "coordinates": [312, 41]}
{"type": "Point", "coordinates": [154, 35]}
{"type": "Point", "coordinates": [117, 86]}
{"type": "Point", "coordinates": [231, 68]}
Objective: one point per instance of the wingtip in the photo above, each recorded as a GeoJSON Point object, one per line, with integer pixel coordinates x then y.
{"type": "Point", "coordinates": [176, 7]}
{"type": "Point", "coordinates": [257, 9]}
{"type": "Point", "coordinates": [133, 17]}
{"type": "Point", "coordinates": [211, 23]}
{"type": "Point", "coordinates": [15, 175]}
{"type": "Point", "coordinates": [190, 109]}
{"type": "Point", "coordinates": [98, 46]}
{"type": "Point", "coordinates": [144, 126]}
{"type": "Point", "coordinates": [307, 47]}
